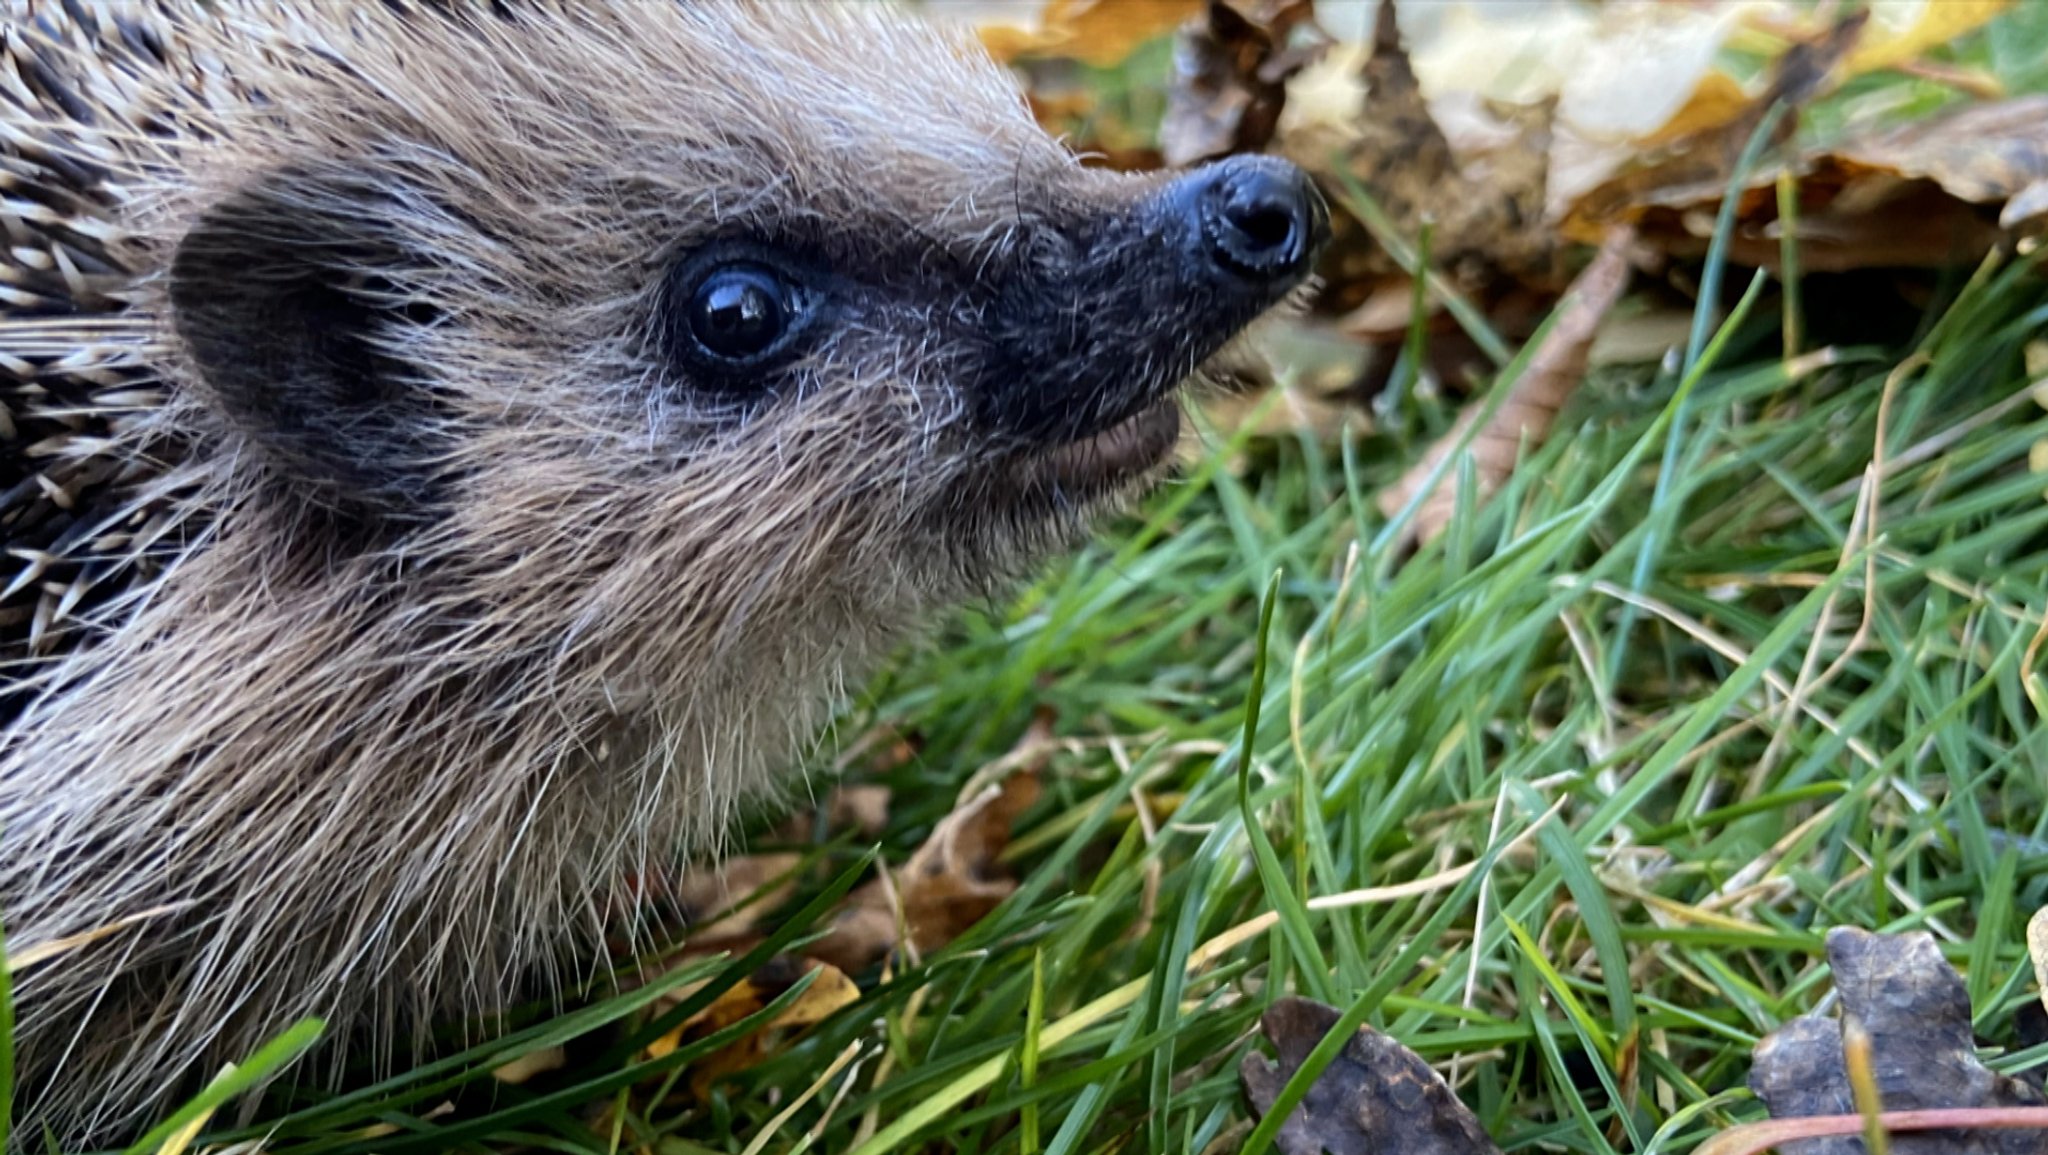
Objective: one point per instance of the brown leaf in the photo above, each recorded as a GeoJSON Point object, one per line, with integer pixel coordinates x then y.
{"type": "Point", "coordinates": [1553, 371]}
{"type": "Point", "coordinates": [1916, 1012]}
{"type": "Point", "coordinates": [1230, 78]}
{"type": "Point", "coordinates": [1481, 202]}
{"type": "Point", "coordinates": [1927, 194]}
{"type": "Point", "coordinates": [1402, 152]}
{"type": "Point", "coordinates": [1924, 194]}
{"type": "Point", "coordinates": [1704, 160]}
{"type": "Point", "coordinates": [829, 992]}
{"type": "Point", "coordinates": [1984, 154]}
{"type": "Point", "coordinates": [1375, 1098]}
{"type": "Point", "coordinates": [948, 885]}
{"type": "Point", "coordinates": [1097, 32]}
{"type": "Point", "coordinates": [861, 809]}
{"type": "Point", "coordinates": [1484, 207]}
{"type": "Point", "coordinates": [731, 898]}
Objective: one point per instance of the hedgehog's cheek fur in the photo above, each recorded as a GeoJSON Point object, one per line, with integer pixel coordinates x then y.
{"type": "Point", "coordinates": [282, 301]}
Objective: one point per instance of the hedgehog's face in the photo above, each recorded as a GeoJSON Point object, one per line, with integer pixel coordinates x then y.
{"type": "Point", "coordinates": [697, 276]}
{"type": "Point", "coordinates": [996, 371]}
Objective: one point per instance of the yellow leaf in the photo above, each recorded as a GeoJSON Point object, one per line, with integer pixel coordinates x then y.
{"type": "Point", "coordinates": [1104, 32]}
{"type": "Point", "coordinates": [1716, 100]}
{"type": "Point", "coordinates": [1096, 32]}
{"type": "Point", "coordinates": [1937, 22]}
{"type": "Point", "coordinates": [829, 992]}
{"type": "Point", "coordinates": [1007, 42]}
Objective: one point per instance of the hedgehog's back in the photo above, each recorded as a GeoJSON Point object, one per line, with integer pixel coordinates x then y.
{"type": "Point", "coordinates": [82, 107]}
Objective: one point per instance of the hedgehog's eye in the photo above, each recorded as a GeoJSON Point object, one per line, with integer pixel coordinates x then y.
{"type": "Point", "coordinates": [737, 314]}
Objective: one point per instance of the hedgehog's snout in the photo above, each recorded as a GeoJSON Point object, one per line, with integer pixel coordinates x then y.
{"type": "Point", "coordinates": [1136, 300]}
{"type": "Point", "coordinates": [1256, 220]}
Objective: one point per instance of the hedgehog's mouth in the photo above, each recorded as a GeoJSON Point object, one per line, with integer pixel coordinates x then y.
{"type": "Point", "coordinates": [1104, 461]}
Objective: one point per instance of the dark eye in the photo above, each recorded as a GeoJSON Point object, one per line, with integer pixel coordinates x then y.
{"type": "Point", "coordinates": [739, 312]}
{"type": "Point", "coordinates": [736, 314]}
{"type": "Point", "coordinates": [735, 311]}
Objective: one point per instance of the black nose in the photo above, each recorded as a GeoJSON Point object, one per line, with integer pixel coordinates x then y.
{"type": "Point", "coordinates": [1260, 219]}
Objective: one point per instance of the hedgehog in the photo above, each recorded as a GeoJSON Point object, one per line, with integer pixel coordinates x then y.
{"type": "Point", "coordinates": [451, 456]}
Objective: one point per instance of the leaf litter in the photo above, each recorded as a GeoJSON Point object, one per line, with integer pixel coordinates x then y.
{"type": "Point", "coordinates": [950, 882]}
{"type": "Point", "coordinates": [1500, 152]}
{"type": "Point", "coordinates": [1901, 1056]}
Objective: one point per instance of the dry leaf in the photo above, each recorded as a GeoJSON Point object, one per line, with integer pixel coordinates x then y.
{"type": "Point", "coordinates": [531, 1063]}
{"type": "Point", "coordinates": [1701, 162]}
{"type": "Point", "coordinates": [1925, 194]}
{"type": "Point", "coordinates": [861, 809]}
{"type": "Point", "coordinates": [730, 899]}
{"type": "Point", "coordinates": [1375, 1098]}
{"type": "Point", "coordinates": [1928, 194]}
{"type": "Point", "coordinates": [1096, 32]}
{"type": "Point", "coordinates": [1554, 370]}
{"type": "Point", "coordinates": [1649, 74]}
{"type": "Point", "coordinates": [1482, 205]}
{"type": "Point", "coordinates": [826, 995]}
{"type": "Point", "coordinates": [1984, 154]}
{"type": "Point", "coordinates": [1399, 152]}
{"type": "Point", "coordinates": [1231, 70]}
{"type": "Point", "coordinates": [948, 885]}
{"type": "Point", "coordinates": [1935, 23]}
{"type": "Point", "coordinates": [1915, 1009]}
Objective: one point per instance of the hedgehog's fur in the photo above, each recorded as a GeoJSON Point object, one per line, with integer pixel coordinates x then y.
{"type": "Point", "coordinates": [376, 589]}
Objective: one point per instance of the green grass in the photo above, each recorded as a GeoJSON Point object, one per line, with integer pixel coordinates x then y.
{"type": "Point", "coordinates": [1755, 711]}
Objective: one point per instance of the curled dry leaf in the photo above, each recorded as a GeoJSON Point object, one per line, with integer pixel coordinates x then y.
{"type": "Point", "coordinates": [1984, 154]}
{"type": "Point", "coordinates": [1934, 192]}
{"type": "Point", "coordinates": [1097, 32]}
{"type": "Point", "coordinates": [1478, 193]}
{"type": "Point", "coordinates": [731, 899]}
{"type": "Point", "coordinates": [1231, 70]}
{"type": "Point", "coordinates": [1524, 417]}
{"type": "Point", "coordinates": [948, 885]}
{"type": "Point", "coordinates": [1376, 1097]}
{"type": "Point", "coordinates": [1916, 1012]}
{"type": "Point", "coordinates": [829, 992]}
{"type": "Point", "coordinates": [1697, 165]}
{"type": "Point", "coordinates": [1484, 207]}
